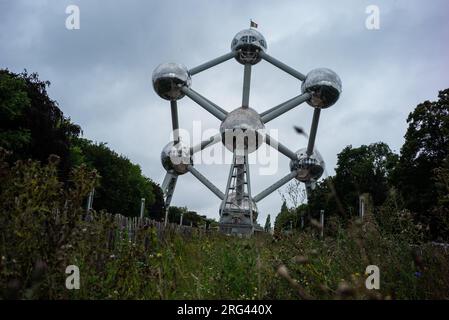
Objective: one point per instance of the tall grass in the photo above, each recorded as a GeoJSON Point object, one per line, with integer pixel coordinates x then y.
{"type": "Point", "coordinates": [43, 230]}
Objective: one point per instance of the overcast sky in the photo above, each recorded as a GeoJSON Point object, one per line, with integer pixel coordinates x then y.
{"type": "Point", "coordinates": [101, 73]}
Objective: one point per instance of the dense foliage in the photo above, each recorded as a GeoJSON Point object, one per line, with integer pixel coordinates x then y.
{"type": "Point", "coordinates": [33, 127]}
{"type": "Point", "coordinates": [44, 229]}
{"type": "Point", "coordinates": [31, 124]}
{"type": "Point", "coordinates": [415, 181]}
{"type": "Point", "coordinates": [121, 185]}
{"type": "Point", "coordinates": [423, 164]}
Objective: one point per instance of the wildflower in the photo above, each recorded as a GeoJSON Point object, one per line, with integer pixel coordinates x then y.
{"type": "Point", "coordinates": [301, 259]}
{"type": "Point", "coordinates": [418, 274]}
{"type": "Point", "coordinates": [282, 270]}
{"type": "Point", "coordinates": [345, 290]}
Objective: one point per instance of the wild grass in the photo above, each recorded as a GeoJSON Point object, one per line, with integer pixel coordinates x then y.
{"type": "Point", "coordinates": [43, 229]}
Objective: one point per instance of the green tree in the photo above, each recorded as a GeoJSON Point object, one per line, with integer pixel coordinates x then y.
{"type": "Point", "coordinates": [425, 149]}
{"type": "Point", "coordinates": [31, 124]}
{"type": "Point", "coordinates": [324, 197]}
{"type": "Point", "coordinates": [285, 219]}
{"type": "Point", "coordinates": [267, 227]}
{"type": "Point", "coordinates": [189, 217]}
{"type": "Point", "coordinates": [122, 184]}
{"type": "Point", "coordinates": [423, 162]}
{"type": "Point", "coordinates": [366, 169]}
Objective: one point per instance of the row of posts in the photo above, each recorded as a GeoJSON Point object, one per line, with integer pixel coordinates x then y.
{"type": "Point", "coordinates": [90, 201]}
{"type": "Point", "coordinates": [362, 204]}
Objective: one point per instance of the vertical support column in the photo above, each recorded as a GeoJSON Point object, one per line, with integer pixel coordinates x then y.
{"type": "Point", "coordinates": [180, 220]}
{"type": "Point", "coordinates": [228, 185]}
{"type": "Point", "coordinates": [240, 183]}
{"type": "Point", "coordinates": [246, 85]}
{"type": "Point", "coordinates": [250, 198]}
{"type": "Point", "coordinates": [174, 120]}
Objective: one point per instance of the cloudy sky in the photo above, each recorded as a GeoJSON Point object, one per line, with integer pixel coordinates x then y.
{"type": "Point", "coordinates": [101, 73]}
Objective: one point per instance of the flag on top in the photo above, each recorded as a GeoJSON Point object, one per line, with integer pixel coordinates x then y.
{"type": "Point", "coordinates": [253, 24]}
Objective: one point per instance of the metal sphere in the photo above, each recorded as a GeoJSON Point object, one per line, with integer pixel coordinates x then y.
{"type": "Point", "coordinates": [168, 78]}
{"type": "Point", "coordinates": [248, 43]}
{"type": "Point", "coordinates": [242, 131]}
{"type": "Point", "coordinates": [175, 159]}
{"type": "Point", "coordinates": [309, 168]}
{"type": "Point", "coordinates": [325, 87]}
{"type": "Point", "coordinates": [232, 208]}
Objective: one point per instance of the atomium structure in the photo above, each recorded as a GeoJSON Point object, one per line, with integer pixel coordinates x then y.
{"type": "Point", "coordinates": [242, 130]}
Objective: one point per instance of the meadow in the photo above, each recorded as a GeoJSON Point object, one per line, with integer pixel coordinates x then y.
{"type": "Point", "coordinates": [44, 228]}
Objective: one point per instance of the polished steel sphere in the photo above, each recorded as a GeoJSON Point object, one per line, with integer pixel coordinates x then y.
{"type": "Point", "coordinates": [248, 43]}
{"type": "Point", "coordinates": [233, 209]}
{"type": "Point", "coordinates": [309, 168]}
{"type": "Point", "coordinates": [176, 158]}
{"type": "Point", "coordinates": [324, 85]}
{"type": "Point", "coordinates": [242, 131]}
{"type": "Point", "coordinates": [169, 78]}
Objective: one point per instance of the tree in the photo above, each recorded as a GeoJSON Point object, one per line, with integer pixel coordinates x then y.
{"type": "Point", "coordinates": [285, 219]}
{"type": "Point", "coordinates": [267, 227]}
{"type": "Point", "coordinates": [324, 197]}
{"type": "Point", "coordinates": [426, 147]}
{"type": "Point", "coordinates": [423, 160]}
{"type": "Point", "coordinates": [122, 184]}
{"type": "Point", "coordinates": [188, 218]}
{"type": "Point", "coordinates": [31, 124]}
{"type": "Point", "coordinates": [366, 169]}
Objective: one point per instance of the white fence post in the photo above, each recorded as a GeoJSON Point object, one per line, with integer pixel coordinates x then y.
{"type": "Point", "coordinates": [142, 207]}
{"type": "Point", "coordinates": [322, 222]}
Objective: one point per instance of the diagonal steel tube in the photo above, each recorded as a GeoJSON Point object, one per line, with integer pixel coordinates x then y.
{"type": "Point", "coordinates": [274, 108]}
{"type": "Point", "coordinates": [206, 143]}
{"type": "Point", "coordinates": [282, 66]}
{"type": "Point", "coordinates": [280, 147]}
{"type": "Point", "coordinates": [215, 105]}
{"type": "Point", "coordinates": [206, 182]}
{"type": "Point", "coordinates": [212, 63]}
{"type": "Point", "coordinates": [168, 188]}
{"type": "Point", "coordinates": [275, 186]}
{"type": "Point", "coordinates": [284, 107]}
{"type": "Point", "coordinates": [313, 130]}
{"type": "Point", "coordinates": [204, 103]}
